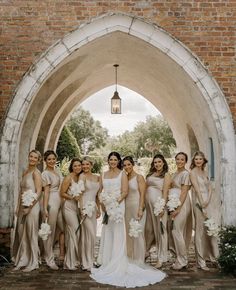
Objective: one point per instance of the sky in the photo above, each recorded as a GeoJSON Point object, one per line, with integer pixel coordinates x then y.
{"type": "Point", "coordinates": [134, 108]}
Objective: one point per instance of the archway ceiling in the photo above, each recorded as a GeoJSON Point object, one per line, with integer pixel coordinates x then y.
{"type": "Point", "coordinates": [143, 68]}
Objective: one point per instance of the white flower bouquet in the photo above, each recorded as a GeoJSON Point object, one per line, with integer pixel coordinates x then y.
{"type": "Point", "coordinates": [28, 197]}
{"type": "Point", "coordinates": [135, 228]}
{"type": "Point", "coordinates": [212, 228]}
{"type": "Point", "coordinates": [44, 231]}
{"type": "Point", "coordinates": [159, 206]}
{"type": "Point", "coordinates": [89, 208]}
{"type": "Point", "coordinates": [77, 188]}
{"type": "Point", "coordinates": [173, 203]}
{"type": "Point", "coordinates": [113, 208]}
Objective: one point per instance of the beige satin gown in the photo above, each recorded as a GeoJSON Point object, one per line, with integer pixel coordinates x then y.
{"type": "Point", "coordinates": [153, 233]}
{"type": "Point", "coordinates": [55, 217]}
{"type": "Point", "coordinates": [89, 226]}
{"type": "Point", "coordinates": [136, 247]}
{"type": "Point", "coordinates": [206, 247]}
{"type": "Point", "coordinates": [70, 212]}
{"type": "Point", "coordinates": [182, 228]}
{"type": "Point", "coordinates": [25, 248]}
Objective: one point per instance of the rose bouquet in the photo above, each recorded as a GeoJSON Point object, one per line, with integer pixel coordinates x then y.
{"type": "Point", "coordinates": [28, 197]}
{"type": "Point", "coordinates": [89, 208]}
{"type": "Point", "coordinates": [113, 208]}
{"type": "Point", "coordinates": [159, 206]}
{"type": "Point", "coordinates": [44, 231]}
{"type": "Point", "coordinates": [212, 228]}
{"type": "Point", "coordinates": [135, 228]}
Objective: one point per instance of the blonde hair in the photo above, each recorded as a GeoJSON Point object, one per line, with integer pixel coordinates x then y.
{"type": "Point", "coordinates": [89, 159]}
{"type": "Point", "coordinates": [199, 153]}
{"type": "Point", "coordinates": [36, 152]}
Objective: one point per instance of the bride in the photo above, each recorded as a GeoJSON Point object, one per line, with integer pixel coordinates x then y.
{"type": "Point", "coordinates": [116, 269]}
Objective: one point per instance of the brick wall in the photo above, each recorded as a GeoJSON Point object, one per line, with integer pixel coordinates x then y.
{"type": "Point", "coordinates": [28, 28]}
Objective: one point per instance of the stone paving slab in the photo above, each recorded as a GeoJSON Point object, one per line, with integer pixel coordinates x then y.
{"type": "Point", "coordinates": [45, 278]}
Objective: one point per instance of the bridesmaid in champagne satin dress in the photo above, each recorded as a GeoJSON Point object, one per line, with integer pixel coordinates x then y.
{"type": "Point", "coordinates": [71, 214]}
{"type": "Point", "coordinates": [135, 209]}
{"type": "Point", "coordinates": [181, 217]}
{"type": "Point", "coordinates": [157, 186]}
{"type": "Point", "coordinates": [204, 205]}
{"type": "Point", "coordinates": [52, 179]}
{"type": "Point", "coordinates": [89, 226]}
{"type": "Point", "coordinates": [25, 247]}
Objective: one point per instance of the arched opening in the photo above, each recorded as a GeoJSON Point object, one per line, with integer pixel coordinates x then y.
{"type": "Point", "coordinates": [152, 63]}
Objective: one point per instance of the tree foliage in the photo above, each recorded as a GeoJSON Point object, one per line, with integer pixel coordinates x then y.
{"type": "Point", "coordinates": [67, 146]}
{"type": "Point", "coordinates": [88, 132]}
{"type": "Point", "coordinates": [149, 137]}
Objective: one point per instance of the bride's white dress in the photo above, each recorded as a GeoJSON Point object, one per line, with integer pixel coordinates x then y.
{"type": "Point", "coordinates": [116, 269]}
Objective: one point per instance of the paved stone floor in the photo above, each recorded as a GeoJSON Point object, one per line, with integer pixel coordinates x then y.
{"type": "Point", "coordinates": [44, 278]}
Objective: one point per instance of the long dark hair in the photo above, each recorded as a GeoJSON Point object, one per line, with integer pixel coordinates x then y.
{"type": "Point", "coordinates": [153, 169]}
{"type": "Point", "coordinates": [199, 153]}
{"type": "Point", "coordinates": [47, 153]}
{"type": "Point", "coordinates": [117, 155]}
{"type": "Point", "coordinates": [72, 163]}
{"type": "Point", "coordinates": [129, 158]}
{"type": "Point", "coordinates": [182, 153]}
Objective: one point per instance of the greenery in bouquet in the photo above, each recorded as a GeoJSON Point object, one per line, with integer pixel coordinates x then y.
{"type": "Point", "coordinates": [227, 257]}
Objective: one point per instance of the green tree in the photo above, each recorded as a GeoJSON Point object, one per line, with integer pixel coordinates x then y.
{"type": "Point", "coordinates": [149, 137]}
{"type": "Point", "coordinates": [88, 132]}
{"type": "Point", "coordinates": [154, 136]}
{"type": "Point", "coordinates": [67, 146]}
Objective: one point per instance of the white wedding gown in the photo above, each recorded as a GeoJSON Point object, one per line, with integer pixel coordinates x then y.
{"type": "Point", "coordinates": [116, 269]}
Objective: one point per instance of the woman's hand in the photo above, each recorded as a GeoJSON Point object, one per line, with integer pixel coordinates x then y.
{"type": "Point", "coordinates": [45, 214]}
{"type": "Point", "coordinates": [119, 199]}
{"type": "Point", "coordinates": [175, 213]}
{"type": "Point", "coordinates": [76, 198]}
{"type": "Point", "coordinates": [161, 214]}
{"type": "Point", "coordinates": [26, 210]}
{"type": "Point", "coordinates": [140, 213]}
{"type": "Point", "coordinates": [98, 213]}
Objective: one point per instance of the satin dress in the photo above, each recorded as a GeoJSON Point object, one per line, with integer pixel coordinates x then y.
{"type": "Point", "coordinates": [54, 211]}
{"type": "Point", "coordinates": [116, 269]}
{"type": "Point", "coordinates": [25, 247]}
{"type": "Point", "coordinates": [153, 232]}
{"type": "Point", "coordinates": [181, 229]}
{"type": "Point", "coordinates": [89, 226]}
{"type": "Point", "coordinates": [70, 213]}
{"type": "Point", "coordinates": [206, 247]}
{"type": "Point", "coordinates": [136, 247]}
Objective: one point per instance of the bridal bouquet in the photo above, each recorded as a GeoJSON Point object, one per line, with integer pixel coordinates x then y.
{"type": "Point", "coordinates": [135, 228]}
{"type": "Point", "coordinates": [44, 231]}
{"type": "Point", "coordinates": [28, 198]}
{"type": "Point", "coordinates": [159, 206]}
{"type": "Point", "coordinates": [77, 188]}
{"type": "Point", "coordinates": [113, 208]}
{"type": "Point", "coordinates": [89, 208]}
{"type": "Point", "coordinates": [212, 227]}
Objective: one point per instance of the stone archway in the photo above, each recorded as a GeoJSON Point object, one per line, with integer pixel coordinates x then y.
{"type": "Point", "coordinates": [152, 62]}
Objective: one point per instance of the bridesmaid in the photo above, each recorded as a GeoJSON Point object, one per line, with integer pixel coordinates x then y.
{"type": "Point", "coordinates": [71, 215]}
{"type": "Point", "coordinates": [157, 186]}
{"type": "Point", "coordinates": [52, 179]}
{"type": "Point", "coordinates": [25, 248]}
{"type": "Point", "coordinates": [206, 247]}
{"type": "Point", "coordinates": [181, 217]}
{"type": "Point", "coordinates": [89, 226]}
{"type": "Point", "coordinates": [134, 208]}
